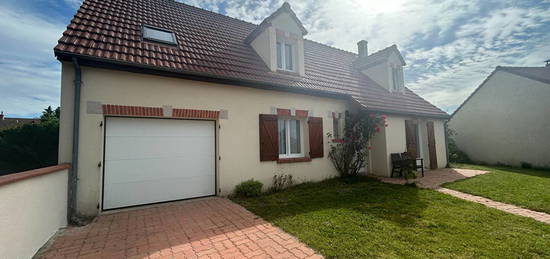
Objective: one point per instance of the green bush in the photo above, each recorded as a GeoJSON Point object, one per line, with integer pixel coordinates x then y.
{"type": "Point", "coordinates": [250, 188]}
{"type": "Point", "coordinates": [29, 146]}
{"type": "Point", "coordinates": [455, 155]}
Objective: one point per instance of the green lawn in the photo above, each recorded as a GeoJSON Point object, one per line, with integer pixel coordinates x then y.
{"type": "Point", "coordinates": [375, 219]}
{"type": "Point", "coordinates": [522, 187]}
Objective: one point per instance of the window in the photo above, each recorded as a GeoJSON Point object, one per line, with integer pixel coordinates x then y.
{"type": "Point", "coordinates": [290, 138]}
{"type": "Point", "coordinates": [285, 56]}
{"type": "Point", "coordinates": [337, 127]}
{"type": "Point", "coordinates": [159, 35]}
{"type": "Point", "coordinates": [397, 77]}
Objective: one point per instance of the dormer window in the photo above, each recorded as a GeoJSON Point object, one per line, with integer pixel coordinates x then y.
{"type": "Point", "coordinates": [285, 56]}
{"type": "Point", "coordinates": [159, 35]}
{"type": "Point", "coordinates": [397, 78]}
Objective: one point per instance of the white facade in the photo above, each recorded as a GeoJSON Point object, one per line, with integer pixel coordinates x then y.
{"type": "Point", "coordinates": [506, 120]}
{"type": "Point", "coordinates": [392, 139]}
{"type": "Point", "coordinates": [31, 211]}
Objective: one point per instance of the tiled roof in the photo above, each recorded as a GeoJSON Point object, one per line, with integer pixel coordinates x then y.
{"type": "Point", "coordinates": [6, 123]}
{"type": "Point", "coordinates": [214, 44]}
{"type": "Point", "coordinates": [541, 74]}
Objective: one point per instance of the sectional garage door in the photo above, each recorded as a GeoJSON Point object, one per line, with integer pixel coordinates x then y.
{"type": "Point", "coordinates": [157, 160]}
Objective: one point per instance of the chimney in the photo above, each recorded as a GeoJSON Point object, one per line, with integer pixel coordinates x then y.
{"type": "Point", "coordinates": [363, 48]}
{"type": "Point", "coordinates": [1, 116]}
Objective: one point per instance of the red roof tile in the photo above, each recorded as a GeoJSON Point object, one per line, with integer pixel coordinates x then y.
{"type": "Point", "coordinates": [214, 44]}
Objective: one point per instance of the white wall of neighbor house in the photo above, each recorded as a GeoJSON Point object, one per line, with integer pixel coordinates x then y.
{"type": "Point", "coordinates": [506, 121]}
{"type": "Point", "coordinates": [392, 139]}
{"type": "Point", "coordinates": [238, 138]}
{"type": "Point", "coordinates": [31, 211]}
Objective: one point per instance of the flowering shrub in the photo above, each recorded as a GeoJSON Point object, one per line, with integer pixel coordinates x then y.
{"type": "Point", "coordinates": [350, 154]}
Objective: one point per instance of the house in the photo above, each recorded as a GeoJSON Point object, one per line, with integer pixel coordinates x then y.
{"type": "Point", "coordinates": [164, 101]}
{"type": "Point", "coordinates": [6, 123]}
{"type": "Point", "coordinates": [505, 120]}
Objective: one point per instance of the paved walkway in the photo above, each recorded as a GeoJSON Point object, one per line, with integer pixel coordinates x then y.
{"type": "Point", "coordinates": [435, 178]}
{"type": "Point", "coordinates": [205, 228]}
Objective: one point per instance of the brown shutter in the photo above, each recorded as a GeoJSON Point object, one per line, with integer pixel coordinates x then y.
{"type": "Point", "coordinates": [410, 134]}
{"type": "Point", "coordinates": [431, 145]}
{"type": "Point", "coordinates": [269, 138]}
{"type": "Point", "coordinates": [315, 125]}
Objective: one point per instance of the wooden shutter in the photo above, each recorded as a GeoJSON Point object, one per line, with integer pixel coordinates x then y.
{"type": "Point", "coordinates": [315, 125]}
{"type": "Point", "coordinates": [431, 145]}
{"type": "Point", "coordinates": [269, 138]}
{"type": "Point", "coordinates": [410, 134]}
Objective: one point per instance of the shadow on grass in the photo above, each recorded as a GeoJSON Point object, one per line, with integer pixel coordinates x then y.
{"type": "Point", "coordinates": [370, 197]}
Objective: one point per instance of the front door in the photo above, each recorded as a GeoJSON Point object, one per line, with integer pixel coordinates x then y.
{"type": "Point", "coordinates": [431, 145]}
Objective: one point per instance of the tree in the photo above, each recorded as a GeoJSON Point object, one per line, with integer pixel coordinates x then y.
{"type": "Point", "coordinates": [350, 155]}
{"type": "Point", "coordinates": [50, 114]}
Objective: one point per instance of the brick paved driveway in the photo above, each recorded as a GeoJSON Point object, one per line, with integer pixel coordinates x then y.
{"type": "Point", "coordinates": [206, 228]}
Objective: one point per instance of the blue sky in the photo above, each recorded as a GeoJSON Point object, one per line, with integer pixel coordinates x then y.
{"type": "Point", "coordinates": [450, 46]}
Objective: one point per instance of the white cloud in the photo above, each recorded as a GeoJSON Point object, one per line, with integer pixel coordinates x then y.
{"type": "Point", "coordinates": [30, 74]}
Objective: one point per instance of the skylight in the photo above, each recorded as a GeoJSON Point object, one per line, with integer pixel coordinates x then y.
{"type": "Point", "coordinates": [159, 35]}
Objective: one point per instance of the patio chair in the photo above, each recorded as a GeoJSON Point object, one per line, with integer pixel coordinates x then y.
{"type": "Point", "coordinates": [396, 164]}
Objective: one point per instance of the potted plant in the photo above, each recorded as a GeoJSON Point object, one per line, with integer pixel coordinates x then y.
{"type": "Point", "coordinates": [409, 171]}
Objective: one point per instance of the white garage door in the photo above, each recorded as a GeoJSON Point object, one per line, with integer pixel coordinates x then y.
{"type": "Point", "coordinates": [156, 160]}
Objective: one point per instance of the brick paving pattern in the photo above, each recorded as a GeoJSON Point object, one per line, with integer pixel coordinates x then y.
{"type": "Point", "coordinates": [539, 216]}
{"type": "Point", "coordinates": [435, 178]}
{"type": "Point", "coordinates": [206, 228]}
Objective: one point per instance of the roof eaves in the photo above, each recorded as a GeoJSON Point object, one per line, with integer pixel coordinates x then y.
{"type": "Point", "coordinates": [267, 22]}
{"type": "Point", "coordinates": [192, 75]}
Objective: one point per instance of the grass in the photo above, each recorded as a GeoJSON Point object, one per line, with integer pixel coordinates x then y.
{"type": "Point", "coordinates": [526, 188]}
{"type": "Point", "coordinates": [374, 219]}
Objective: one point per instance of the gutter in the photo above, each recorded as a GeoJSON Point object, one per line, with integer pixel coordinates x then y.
{"type": "Point", "coordinates": [445, 126]}
{"type": "Point", "coordinates": [73, 173]}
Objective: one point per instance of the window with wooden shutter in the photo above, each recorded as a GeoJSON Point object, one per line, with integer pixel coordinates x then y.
{"type": "Point", "coordinates": [269, 139]}
{"type": "Point", "coordinates": [315, 125]}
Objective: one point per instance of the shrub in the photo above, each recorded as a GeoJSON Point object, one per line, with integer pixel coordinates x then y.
{"type": "Point", "coordinates": [526, 165]}
{"type": "Point", "coordinates": [29, 146]}
{"type": "Point", "coordinates": [281, 182]}
{"type": "Point", "coordinates": [455, 155]}
{"type": "Point", "coordinates": [350, 155]}
{"type": "Point", "coordinates": [250, 188]}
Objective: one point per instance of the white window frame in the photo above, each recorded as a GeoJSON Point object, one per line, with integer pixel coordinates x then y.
{"type": "Point", "coordinates": [287, 153]}
{"type": "Point", "coordinates": [338, 132]}
{"type": "Point", "coordinates": [283, 44]}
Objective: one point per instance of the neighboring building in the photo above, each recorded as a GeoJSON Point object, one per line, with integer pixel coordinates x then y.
{"type": "Point", "coordinates": [507, 118]}
{"type": "Point", "coordinates": [6, 123]}
{"type": "Point", "coordinates": [178, 102]}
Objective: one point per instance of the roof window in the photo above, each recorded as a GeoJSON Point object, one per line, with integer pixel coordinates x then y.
{"type": "Point", "coordinates": [159, 35]}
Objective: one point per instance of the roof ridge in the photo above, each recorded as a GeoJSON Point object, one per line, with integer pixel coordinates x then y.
{"type": "Point", "coordinates": [202, 9]}
{"type": "Point", "coordinates": [332, 47]}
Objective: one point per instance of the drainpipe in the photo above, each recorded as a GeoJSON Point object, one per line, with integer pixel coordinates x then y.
{"type": "Point", "coordinates": [446, 142]}
{"type": "Point", "coordinates": [73, 173]}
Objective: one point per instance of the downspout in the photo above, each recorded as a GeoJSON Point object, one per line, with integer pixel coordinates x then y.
{"type": "Point", "coordinates": [73, 173]}
{"type": "Point", "coordinates": [446, 142]}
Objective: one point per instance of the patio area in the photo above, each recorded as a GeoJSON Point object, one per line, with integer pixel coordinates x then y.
{"type": "Point", "coordinates": [203, 228]}
{"type": "Point", "coordinates": [434, 178]}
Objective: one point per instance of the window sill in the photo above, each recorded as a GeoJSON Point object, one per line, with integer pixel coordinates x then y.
{"type": "Point", "coordinates": [287, 72]}
{"type": "Point", "coordinates": [293, 160]}
{"type": "Point", "coordinates": [340, 140]}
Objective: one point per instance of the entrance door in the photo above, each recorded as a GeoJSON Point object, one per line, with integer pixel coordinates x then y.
{"type": "Point", "coordinates": [431, 145]}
